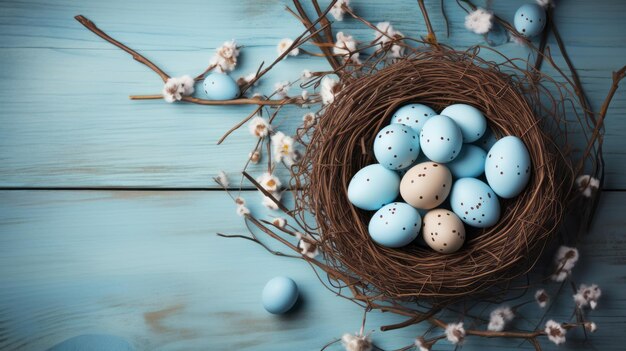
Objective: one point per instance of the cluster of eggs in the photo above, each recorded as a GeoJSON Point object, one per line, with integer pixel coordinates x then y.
{"type": "Point", "coordinates": [433, 161]}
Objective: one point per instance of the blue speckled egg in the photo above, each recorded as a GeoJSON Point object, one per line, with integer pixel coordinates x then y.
{"type": "Point", "coordinates": [487, 140]}
{"type": "Point", "coordinates": [441, 139]}
{"type": "Point", "coordinates": [373, 187]}
{"type": "Point", "coordinates": [475, 202]}
{"type": "Point", "coordinates": [220, 86]}
{"type": "Point", "coordinates": [279, 295]}
{"type": "Point", "coordinates": [508, 167]}
{"type": "Point", "coordinates": [396, 146]}
{"type": "Point", "coordinates": [395, 225]}
{"type": "Point", "coordinates": [530, 20]}
{"type": "Point", "coordinates": [470, 120]}
{"type": "Point", "coordinates": [413, 115]}
{"type": "Point", "coordinates": [469, 163]}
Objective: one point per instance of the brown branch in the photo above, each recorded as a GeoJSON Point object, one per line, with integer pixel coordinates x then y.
{"type": "Point", "coordinates": [324, 21]}
{"type": "Point", "coordinates": [236, 126]}
{"type": "Point", "coordinates": [92, 27]}
{"type": "Point", "coordinates": [332, 60]}
{"type": "Point", "coordinates": [207, 70]}
{"type": "Point", "coordinates": [501, 21]}
{"type": "Point", "coordinates": [240, 101]}
{"type": "Point", "coordinates": [257, 241]}
{"type": "Point", "coordinates": [265, 192]}
{"type": "Point", "coordinates": [367, 23]}
{"type": "Point", "coordinates": [544, 39]}
{"type": "Point", "coordinates": [617, 77]}
{"type": "Point", "coordinates": [431, 38]}
{"type": "Point", "coordinates": [297, 42]}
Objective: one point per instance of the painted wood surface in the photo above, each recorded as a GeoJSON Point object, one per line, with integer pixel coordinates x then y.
{"type": "Point", "coordinates": [67, 122]}
{"type": "Point", "coordinates": [147, 266]}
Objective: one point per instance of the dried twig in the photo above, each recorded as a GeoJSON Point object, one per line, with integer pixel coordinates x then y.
{"type": "Point", "coordinates": [431, 38]}
{"type": "Point", "coordinates": [241, 101]}
{"type": "Point", "coordinates": [92, 27]}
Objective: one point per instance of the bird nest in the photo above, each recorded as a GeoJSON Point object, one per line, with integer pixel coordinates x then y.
{"type": "Point", "coordinates": [515, 100]}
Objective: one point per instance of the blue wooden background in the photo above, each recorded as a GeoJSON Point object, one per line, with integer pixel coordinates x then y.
{"type": "Point", "coordinates": [107, 209]}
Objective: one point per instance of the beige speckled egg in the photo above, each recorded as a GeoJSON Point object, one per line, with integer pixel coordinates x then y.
{"type": "Point", "coordinates": [426, 185]}
{"type": "Point", "coordinates": [443, 231]}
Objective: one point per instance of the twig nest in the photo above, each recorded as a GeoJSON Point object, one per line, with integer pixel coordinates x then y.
{"type": "Point", "coordinates": [339, 148]}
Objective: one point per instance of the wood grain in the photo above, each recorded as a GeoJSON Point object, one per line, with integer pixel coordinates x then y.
{"type": "Point", "coordinates": [67, 122]}
{"type": "Point", "coordinates": [147, 266]}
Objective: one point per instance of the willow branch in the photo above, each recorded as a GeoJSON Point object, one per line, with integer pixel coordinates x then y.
{"type": "Point", "coordinates": [240, 101]}
{"type": "Point", "coordinates": [297, 42]}
{"type": "Point", "coordinates": [431, 38]}
{"type": "Point", "coordinates": [501, 21]}
{"type": "Point", "coordinates": [617, 77]}
{"type": "Point", "coordinates": [544, 39]}
{"type": "Point", "coordinates": [324, 21]}
{"type": "Point", "coordinates": [332, 60]}
{"type": "Point", "coordinates": [138, 57]}
{"type": "Point", "coordinates": [257, 241]}
{"type": "Point", "coordinates": [207, 70]}
{"type": "Point", "coordinates": [265, 192]}
{"type": "Point", "coordinates": [236, 126]}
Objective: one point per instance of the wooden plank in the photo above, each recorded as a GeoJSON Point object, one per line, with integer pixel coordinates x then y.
{"type": "Point", "coordinates": [67, 121]}
{"type": "Point", "coordinates": [147, 267]}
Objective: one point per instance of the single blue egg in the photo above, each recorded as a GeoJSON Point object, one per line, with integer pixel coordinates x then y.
{"type": "Point", "coordinates": [396, 146]}
{"type": "Point", "coordinates": [395, 225]}
{"type": "Point", "coordinates": [487, 140]}
{"type": "Point", "coordinates": [469, 163]}
{"type": "Point", "coordinates": [220, 86]}
{"type": "Point", "coordinates": [412, 115]}
{"type": "Point", "coordinates": [530, 19]}
{"type": "Point", "coordinates": [279, 295]}
{"type": "Point", "coordinates": [373, 187]}
{"type": "Point", "coordinates": [475, 203]}
{"type": "Point", "coordinates": [470, 120]}
{"type": "Point", "coordinates": [441, 139]}
{"type": "Point", "coordinates": [508, 167]}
